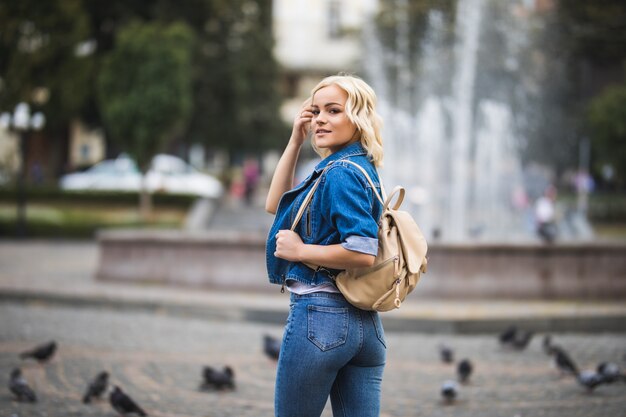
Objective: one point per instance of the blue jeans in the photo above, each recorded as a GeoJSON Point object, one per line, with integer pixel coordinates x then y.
{"type": "Point", "coordinates": [330, 348]}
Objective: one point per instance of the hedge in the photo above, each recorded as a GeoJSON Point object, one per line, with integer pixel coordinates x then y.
{"type": "Point", "coordinates": [77, 226]}
{"type": "Point", "coordinates": [56, 195]}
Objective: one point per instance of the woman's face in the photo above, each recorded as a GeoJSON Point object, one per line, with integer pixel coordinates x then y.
{"type": "Point", "coordinates": [331, 127]}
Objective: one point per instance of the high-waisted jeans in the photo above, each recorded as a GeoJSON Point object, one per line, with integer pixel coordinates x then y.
{"type": "Point", "coordinates": [330, 348]}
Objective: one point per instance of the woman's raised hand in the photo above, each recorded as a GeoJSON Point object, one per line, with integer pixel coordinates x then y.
{"type": "Point", "coordinates": [302, 123]}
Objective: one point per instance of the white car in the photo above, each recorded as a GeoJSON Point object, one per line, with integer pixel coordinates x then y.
{"type": "Point", "coordinates": [167, 173]}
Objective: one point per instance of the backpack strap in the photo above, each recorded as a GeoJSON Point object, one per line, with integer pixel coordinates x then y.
{"type": "Point", "coordinates": [382, 188]}
{"type": "Point", "coordinates": [303, 206]}
{"type": "Point", "coordinates": [307, 200]}
{"type": "Point", "coordinates": [397, 190]}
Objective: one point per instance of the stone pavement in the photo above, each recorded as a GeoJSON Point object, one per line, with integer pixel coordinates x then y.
{"type": "Point", "coordinates": [157, 358]}
{"type": "Point", "coordinates": [154, 340]}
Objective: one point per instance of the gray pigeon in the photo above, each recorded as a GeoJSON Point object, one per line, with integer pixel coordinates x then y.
{"type": "Point", "coordinates": [218, 380]}
{"type": "Point", "coordinates": [508, 335]}
{"type": "Point", "coordinates": [42, 353]}
{"type": "Point", "coordinates": [610, 372]}
{"type": "Point", "coordinates": [563, 362]}
{"type": "Point", "coordinates": [271, 347]}
{"type": "Point", "coordinates": [464, 370]}
{"type": "Point", "coordinates": [449, 391]}
{"type": "Point", "coordinates": [547, 345]}
{"type": "Point", "coordinates": [97, 387]}
{"type": "Point", "coordinates": [590, 380]}
{"type": "Point", "coordinates": [20, 388]}
{"type": "Point", "coordinates": [123, 404]}
{"type": "Point", "coordinates": [446, 353]}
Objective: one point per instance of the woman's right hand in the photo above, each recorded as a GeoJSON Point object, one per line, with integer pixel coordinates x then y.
{"type": "Point", "coordinates": [302, 123]}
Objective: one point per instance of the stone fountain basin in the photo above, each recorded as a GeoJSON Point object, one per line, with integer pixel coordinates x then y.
{"type": "Point", "coordinates": [236, 261]}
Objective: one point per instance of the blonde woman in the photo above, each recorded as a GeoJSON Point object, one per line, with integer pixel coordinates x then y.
{"type": "Point", "coordinates": [329, 347]}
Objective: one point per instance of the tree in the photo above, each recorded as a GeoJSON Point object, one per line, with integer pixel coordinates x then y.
{"type": "Point", "coordinates": [144, 90]}
{"type": "Point", "coordinates": [236, 100]}
{"type": "Point", "coordinates": [594, 30]}
{"type": "Point", "coordinates": [594, 35]}
{"type": "Point", "coordinates": [62, 44]}
{"type": "Point", "coordinates": [607, 120]}
{"type": "Point", "coordinates": [42, 62]}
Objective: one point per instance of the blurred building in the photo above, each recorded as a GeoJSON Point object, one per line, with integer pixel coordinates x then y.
{"type": "Point", "coordinates": [86, 146]}
{"type": "Point", "coordinates": [9, 155]}
{"type": "Point", "coordinates": [314, 40]}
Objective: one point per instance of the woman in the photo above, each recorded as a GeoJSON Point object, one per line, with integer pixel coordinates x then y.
{"type": "Point", "coordinates": [329, 347]}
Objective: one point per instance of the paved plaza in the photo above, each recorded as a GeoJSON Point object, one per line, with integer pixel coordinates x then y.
{"type": "Point", "coordinates": [155, 340]}
{"type": "Point", "coordinates": [158, 359]}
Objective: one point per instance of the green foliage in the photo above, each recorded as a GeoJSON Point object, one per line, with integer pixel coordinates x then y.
{"type": "Point", "coordinates": [607, 120]}
{"type": "Point", "coordinates": [100, 198]}
{"type": "Point", "coordinates": [231, 72]}
{"type": "Point", "coordinates": [236, 78]}
{"type": "Point", "coordinates": [53, 212]}
{"type": "Point", "coordinates": [144, 87]}
{"type": "Point", "coordinates": [594, 30]}
{"type": "Point", "coordinates": [38, 43]}
{"type": "Point", "coordinates": [607, 208]}
{"type": "Point", "coordinates": [591, 48]}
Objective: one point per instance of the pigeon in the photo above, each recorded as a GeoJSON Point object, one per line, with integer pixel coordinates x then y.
{"type": "Point", "coordinates": [547, 345]}
{"type": "Point", "coordinates": [42, 353]}
{"type": "Point", "coordinates": [590, 380]}
{"type": "Point", "coordinates": [515, 338]}
{"type": "Point", "coordinates": [508, 335]}
{"type": "Point", "coordinates": [123, 404]}
{"type": "Point", "coordinates": [449, 391]}
{"type": "Point", "coordinates": [609, 371]}
{"type": "Point", "coordinates": [521, 340]}
{"type": "Point", "coordinates": [464, 370]}
{"type": "Point", "coordinates": [96, 387]}
{"type": "Point", "coordinates": [271, 346]}
{"type": "Point", "coordinates": [19, 387]}
{"type": "Point", "coordinates": [218, 379]}
{"type": "Point", "coordinates": [446, 353]}
{"type": "Point", "coordinates": [563, 362]}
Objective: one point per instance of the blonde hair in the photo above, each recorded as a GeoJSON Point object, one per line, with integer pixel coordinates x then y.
{"type": "Point", "coordinates": [361, 110]}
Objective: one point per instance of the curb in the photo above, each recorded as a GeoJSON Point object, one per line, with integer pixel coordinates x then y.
{"type": "Point", "coordinates": [590, 323]}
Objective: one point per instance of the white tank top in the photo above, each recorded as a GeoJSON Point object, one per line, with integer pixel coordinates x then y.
{"type": "Point", "coordinates": [300, 288]}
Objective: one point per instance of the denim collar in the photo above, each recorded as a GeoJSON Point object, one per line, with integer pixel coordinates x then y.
{"type": "Point", "coordinates": [351, 150]}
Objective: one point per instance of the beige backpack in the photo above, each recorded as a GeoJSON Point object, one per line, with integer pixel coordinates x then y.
{"type": "Point", "coordinates": [400, 261]}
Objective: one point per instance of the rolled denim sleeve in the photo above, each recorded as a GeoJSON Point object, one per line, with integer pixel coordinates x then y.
{"type": "Point", "coordinates": [361, 244]}
{"type": "Point", "coordinates": [350, 203]}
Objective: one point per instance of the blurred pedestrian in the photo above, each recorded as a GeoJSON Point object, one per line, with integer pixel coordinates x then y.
{"type": "Point", "coordinates": [545, 218]}
{"type": "Point", "coordinates": [237, 185]}
{"type": "Point", "coordinates": [251, 175]}
{"type": "Point", "coordinates": [329, 346]}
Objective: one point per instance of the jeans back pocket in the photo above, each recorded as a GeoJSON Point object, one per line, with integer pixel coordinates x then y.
{"type": "Point", "coordinates": [327, 326]}
{"type": "Point", "coordinates": [378, 326]}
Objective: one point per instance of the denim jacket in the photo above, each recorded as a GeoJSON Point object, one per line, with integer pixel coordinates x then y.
{"type": "Point", "coordinates": [343, 210]}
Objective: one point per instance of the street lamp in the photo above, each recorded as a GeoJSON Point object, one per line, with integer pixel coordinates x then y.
{"type": "Point", "coordinates": [22, 122]}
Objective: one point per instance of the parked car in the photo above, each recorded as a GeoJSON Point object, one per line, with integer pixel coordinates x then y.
{"type": "Point", "coordinates": [167, 174]}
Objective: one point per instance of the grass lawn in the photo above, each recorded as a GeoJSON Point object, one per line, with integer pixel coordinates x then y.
{"type": "Point", "coordinates": [82, 220]}
{"type": "Point", "coordinates": [615, 231]}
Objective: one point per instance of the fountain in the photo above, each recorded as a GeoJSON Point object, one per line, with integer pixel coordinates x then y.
{"type": "Point", "coordinates": [449, 127]}
{"type": "Point", "coordinates": [454, 92]}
